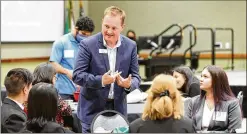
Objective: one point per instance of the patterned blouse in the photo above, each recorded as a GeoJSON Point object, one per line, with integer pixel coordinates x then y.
{"type": "Point", "coordinates": [63, 110]}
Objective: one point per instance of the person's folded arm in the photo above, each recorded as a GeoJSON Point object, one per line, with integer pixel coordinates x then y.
{"type": "Point", "coordinates": [57, 56]}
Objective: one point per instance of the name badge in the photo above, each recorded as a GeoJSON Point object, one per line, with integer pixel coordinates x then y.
{"type": "Point", "coordinates": [69, 53]}
{"type": "Point", "coordinates": [220, 116]}
{"type": "Point", "coordinates": [103, 51]}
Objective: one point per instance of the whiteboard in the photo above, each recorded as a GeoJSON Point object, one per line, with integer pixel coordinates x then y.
{"type": "Point", "coordinates": [31, 21]}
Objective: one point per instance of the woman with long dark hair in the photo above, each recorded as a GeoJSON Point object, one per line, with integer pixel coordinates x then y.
{"type": "Point", "coordinates": [216, 108]}
{"type": "Point", "coordinates": [45, 72]}
{"type": "Point", "coordinates": [131, 35]}
{"type": "Point", "coordinates": [186, 82]}
{"type": "Point", "coordinates": [42, 110]}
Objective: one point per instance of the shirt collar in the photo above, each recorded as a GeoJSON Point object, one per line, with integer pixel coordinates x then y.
{"type": "Point", "coordinates": [71, 37]}
{"type": "Point", "coordinates": [19, 104]}
{"type": "Point", "coordinates": [117, 45]}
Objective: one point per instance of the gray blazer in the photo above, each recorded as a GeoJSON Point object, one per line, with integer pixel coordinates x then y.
{"type": "Point", "coordinates": [232, 121]}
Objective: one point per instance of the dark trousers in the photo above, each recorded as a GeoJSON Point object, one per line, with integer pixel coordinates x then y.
{"type": "Point", "coordinates": [85, 127]}
{"type": "Point", "coordinates": [109, 106]}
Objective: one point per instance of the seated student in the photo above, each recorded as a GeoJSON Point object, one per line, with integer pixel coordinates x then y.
{"type": "Point", "coordinates": [131, 35]}
{"type": "Point", "coordinates": [42, 110]}
{"type": "Point", "coordinates": [216, 108]}
{"type": "Point", "coordinates": [45, 72]}
{"type": "Point", "coordinates": [18, 83]}
{"type": "Point", "coordinates": [163, 111]}
{"type": "Point", "coordinates": [187, 83]}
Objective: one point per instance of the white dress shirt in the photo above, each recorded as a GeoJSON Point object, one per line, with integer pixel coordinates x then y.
{"type": "Point", "coordinates": [19, 104]}
{"type": "Point", "coordinates": [206, 117]}
{"type": "Point", "coordinates": [112, 55]}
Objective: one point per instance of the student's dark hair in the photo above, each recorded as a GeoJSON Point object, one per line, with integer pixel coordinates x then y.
{"type": "Point", "coordinates": [16, 80]}
{"type": "Point", "coordinates": [189, 77]}
{"type": "Point", "coordinates": [42, 106]}
{"type": "Point", "coordinates": [44, 72]}
{"type": "Point", "coordinates": [85, 24]}
{"type": "Point", "coordinates": [220, 86]}
{"type": "Point", "coordinates": [131, 31]}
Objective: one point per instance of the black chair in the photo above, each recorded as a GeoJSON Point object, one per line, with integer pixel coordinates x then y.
{"type": "Point", "coordinates": [108, 120]}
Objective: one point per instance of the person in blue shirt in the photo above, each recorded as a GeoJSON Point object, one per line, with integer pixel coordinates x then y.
{"type": "Point", "coordinates": [64, 52]}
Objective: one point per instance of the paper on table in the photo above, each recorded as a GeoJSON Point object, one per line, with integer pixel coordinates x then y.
{"type": "Point", "coordinates": [136, 96]}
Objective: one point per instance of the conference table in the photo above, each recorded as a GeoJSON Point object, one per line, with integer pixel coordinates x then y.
{"type": "Point", "coordinates": [134, 111]}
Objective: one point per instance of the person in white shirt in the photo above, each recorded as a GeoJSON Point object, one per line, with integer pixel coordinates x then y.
{"type": "Point", "coordinates": [216, 108]}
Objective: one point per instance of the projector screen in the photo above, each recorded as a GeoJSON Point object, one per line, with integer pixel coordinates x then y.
{"type": "Point", "coordinates": [31, 21]}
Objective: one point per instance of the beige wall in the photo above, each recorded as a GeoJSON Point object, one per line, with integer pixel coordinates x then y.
{"type": "Point", "coordinates": [152, 17]}
{"type": "Point", "coordinates": [149, 18]}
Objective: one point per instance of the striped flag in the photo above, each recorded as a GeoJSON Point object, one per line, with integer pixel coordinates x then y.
{"type": "Point", "coordinates": [81, 9]}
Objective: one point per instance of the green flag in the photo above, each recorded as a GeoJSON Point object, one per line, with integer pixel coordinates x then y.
{"type": "Point", "coordinates": [69, 17]}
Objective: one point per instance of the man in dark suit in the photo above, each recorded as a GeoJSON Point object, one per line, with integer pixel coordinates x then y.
{"type": "Point", "coordinates": [18, 83]}
{"type": "Point", "coordinates": [106, 68]}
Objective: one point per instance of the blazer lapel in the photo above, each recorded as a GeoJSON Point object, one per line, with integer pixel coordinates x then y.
{"type": "Point", "coordinates": [12, 103]}
{"type": "Point", "coordinates": [103, 56]}
{"type": "Point", "coordinates": [199, 114]}
{"type": "Point", "coordinates": [213, 118]}
{"type": "Point", "coordinates": [120, 54]}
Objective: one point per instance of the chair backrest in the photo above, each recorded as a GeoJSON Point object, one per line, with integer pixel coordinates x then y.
{"type": "Point", "coordinates": [107, 121]}
{"type": "Point", "coordinates": [240, 97]}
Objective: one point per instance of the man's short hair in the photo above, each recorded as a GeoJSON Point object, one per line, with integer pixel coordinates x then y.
{"type": "Point", "coordinates": [113, 11]}
{"type": "Point", "coordinates": [16, 80]}
{"type": "Point", "coordinates": [85, 24]}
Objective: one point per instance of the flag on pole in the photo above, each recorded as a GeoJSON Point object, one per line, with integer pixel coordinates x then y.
{"type": "Point", "coordinates": [72, 18]}
{"type": "Point", "coordinates": [69, 18]}
{"type": "Point", "coordinates": [81, 9]}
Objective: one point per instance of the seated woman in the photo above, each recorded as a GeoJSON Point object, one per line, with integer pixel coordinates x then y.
{"type": "Point", "coordinates": [216, 108]}
{"type": "Point", "coordinates": [187, 83]}
{"type": "Point", "coordinates": [42, 110]}
{"type": "Point", "coordinates": [131, 35]}
{"type": "Point", "coordinates": [45, 72]}
{"type": "Point", "coordinates": [163, 111]}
